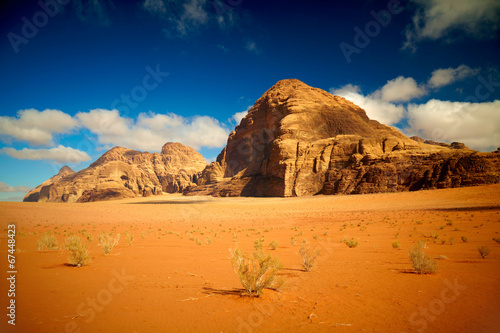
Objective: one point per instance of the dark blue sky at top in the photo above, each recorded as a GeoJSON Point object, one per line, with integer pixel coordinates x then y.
{"type": "Point", "coordinates": [82, 63]}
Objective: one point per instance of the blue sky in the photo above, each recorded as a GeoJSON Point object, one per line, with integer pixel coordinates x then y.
{"type": "Point", "coordinates": [78, 77]}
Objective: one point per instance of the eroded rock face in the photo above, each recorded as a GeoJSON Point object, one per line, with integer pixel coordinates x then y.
{"type": "Point", "coordinates": [298, 140]}
{"type": "Point", "coordinates": [40, 192]}
{"type": "Point", "coordinates": [125, 173]}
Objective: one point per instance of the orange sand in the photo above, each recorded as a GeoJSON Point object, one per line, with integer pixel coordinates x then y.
{"type": "Point", "coordinates": [167, 283]}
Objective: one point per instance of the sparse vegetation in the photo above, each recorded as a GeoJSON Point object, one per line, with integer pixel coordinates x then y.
{"type": "Point", "coordinates": [484, 251]}
{"type": "Point", "coordinates": [47, 241]}
{"type": "Point", "coordinates": [107, 242]}
{"type": "Point", "coordinates": [464, 239]}
{"type": "Point", "coordinates": [256, 273]}
{"type": "Point", "coordinates": [258, 244]}
{"type": "Point", "coordinates": [350, 242]}
{"type": "Point", "coordinates": [78, 252]}
{"type": "Point", "coordinates": [293, 241]}
{"type": "Point", "coordinates": [273, 245]}
{"type": "Point", "coordinates": [308, 258]}
{"type": "Point", "coordinates": [452, 241]}
{"type": "Point", "coordinates": [395, 244]}
{"type": "Point", "coordinates": [422, 262]}
{"type": "Point", "coordinates": [130, 238]}
{"type": "Point", "coordinates": [497, 239]}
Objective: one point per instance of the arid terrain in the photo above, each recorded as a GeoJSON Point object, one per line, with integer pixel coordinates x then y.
{"type": "Point", "coordinates": [170, 279]}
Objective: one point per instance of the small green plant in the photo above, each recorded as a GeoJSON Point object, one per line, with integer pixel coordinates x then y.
{"type": "Point", "coordinates": [308, 258]}
{"type": "Point", "coordinates": [484, 251]}
{"type": "Point", "coordinates": [107, 242]}
{"type": "Point", "coordinates": [48, 241]}
{"type": "Point", "coordinates": [256, 273]}
{"type": "Point", "coordinates": [465, 239]}
{"type": "Point", "coordinates": [350, 242]}
{"type": "Point", "coordinates": [78, 252]}
{"type": "Point", "coordinates": [422, 262]}
{"type": "Point", "coordinates": [293, 241]}
{"type": "Point", "coordinates": [395, 244]}
{"type": "Point", "coordinates": [273, 245]}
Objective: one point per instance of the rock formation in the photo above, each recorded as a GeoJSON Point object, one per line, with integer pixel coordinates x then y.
{"type": "Point", "coordinates": [298, 140]}
{"type": "Point", "coordinates": [34, 195]}
{"type": "Point", "coordinates": [124, 173]}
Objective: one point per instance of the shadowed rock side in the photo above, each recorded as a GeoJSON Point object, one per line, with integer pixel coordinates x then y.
{"type": "Point", "coordinates": [124, 173]}
{"type": "Point", "coordinates": [298, 140]}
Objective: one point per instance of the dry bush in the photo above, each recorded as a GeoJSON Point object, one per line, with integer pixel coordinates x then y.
{"type": "Point", "coordinates": [422, 262]}
{"type": "Point", "coordinates": [48, 240]}
{"type": "Point", "coordinates": [78, 252]}
{"type": "Point", "coordinates": [257, 272]}
{"type": "Point", "coordinates": [107, 242]}
{"type": "Point", "coordinates": [258, 244]}
{"type": "Point", "coordinates": [395, 244]}
{"type": "Point", "coordinates": [293, 241]}
{"type": "Point", "coordinates": [308, 258]}
{"type": "Point", "coordinates": [350, 242]}
{"type": "Point", "coordinates": [129, 237]}
{"type": "Point", "coordinates": [484, 251]}
{"type": "Point", "coordinates": [273, 245]}
{"type": "Point", "coordinates": [465, 239]}
{"type": "Point", "coordinates": [497, 239]}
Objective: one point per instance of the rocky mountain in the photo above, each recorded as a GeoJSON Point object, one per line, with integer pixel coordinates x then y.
{"type": "Point", "coordinates": [124, 173]}
{"type": "Point", "coordinates": [34, 195]}
{"type": "Point", "coordinates": [298, 140]}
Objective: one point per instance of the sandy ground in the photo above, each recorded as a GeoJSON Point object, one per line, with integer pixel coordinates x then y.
{"type": "Point", "coordinates": [165, 282]}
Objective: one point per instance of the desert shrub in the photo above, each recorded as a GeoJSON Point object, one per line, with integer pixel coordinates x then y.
{"type": "Point", "coordinates": [452, 241]}
{"type": "Point", "coordinates": [465, 239]}
{"type": "Point", "coordinates": [208, 240]}
{"type": "Point", "coordinates": [48, 241]}
{"type": "Point", "coordinates": [273, 245]}
{"type": "Point", "coordinates": [350, 242]}
{"type": "Point", "coordinates": [484, 251]}
{"type": "Point", "coordinates": [129, 237]}
{"type": "Point", "coordinates": [308, 258]}
{"type": "Point", "coordinates": [258, 244]}
{"type": "Point", "coordinates": [496, 239]}
{"type": "Point", "coordinates": [107, 242]}
{"type": "Point", "coordinates": [78, 252]}
{"type": "Point", "coordinates": [198, 242]}
{"type": "Point", "coordinates": [257, 272]}
{"type": "Point", "coordinates": [395, 244]}
{"type": "Point", "coordinates": [293, 241]}
{"type": "Point", "coordinates": [422, 262]}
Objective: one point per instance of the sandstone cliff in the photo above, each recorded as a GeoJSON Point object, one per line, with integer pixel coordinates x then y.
{"type": "Point", "coordinates": [298, 140]}
{"type": "Point", "coordinates": [34, 195]}
{"type": "Point", "coordinates": [125, 173]}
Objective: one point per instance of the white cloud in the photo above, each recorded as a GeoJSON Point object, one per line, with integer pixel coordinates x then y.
{"type": "Point", "coordinates": [400, 89]}
{"type": "Point", "coordinates": [37, 127]}
{"type": "Point", "coordinates": [376, 108]}
{"type": "Point", "coordinates": [93, 11]}
{"type": "Point", "coordinates": [59, 154]}
{"type": "Point", "coordinates": [238, 116]}
{"type": "Point", "coordinates": [151, 131]}
{"type": "Point", "coordinates": [252, 47]}
{"type": "Point", "coordinates": [7, 188]}
{"type": "Point", "coordinates": [155, 7]}
{"type": "Point", "coordinates": [443, 77]}
{"type": "Point", "coordinates": [475, 124]}
{"type": "Point", "coordinates": [434, 19]}
{"type": "Point", "coordinates": [193, 16]}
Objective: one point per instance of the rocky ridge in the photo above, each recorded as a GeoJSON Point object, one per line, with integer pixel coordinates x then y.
{"type": "Point", "coordinates": [125, 173]}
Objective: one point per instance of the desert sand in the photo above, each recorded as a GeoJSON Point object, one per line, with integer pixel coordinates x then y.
{"type": "Point", "coordinates": [166, 282]}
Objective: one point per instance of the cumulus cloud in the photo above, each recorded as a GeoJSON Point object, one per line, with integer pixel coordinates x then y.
{"type": "Point", "coordinates": [59, 154]}
{"type": "Point", "coordinates": [7, 188]}
{"type": "Point", "coordinates": [151, 131]}
{"type": "Point", "coordinates": [400, 89]}
{"type": "Point", "coordinates": [475, 124]}
{"type": "Point", "coordinates": [435, 19]}
{"type": "Point", "coordinates": [443, 77]}
{"type": "Point", "coordinates": [376, 108]}
{"type": "Point", "coordinates": [155, 7]}
{"type": "Point", "coordinates": [37, 127]}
